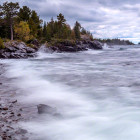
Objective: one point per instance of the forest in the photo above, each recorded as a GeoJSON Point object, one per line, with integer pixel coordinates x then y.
{"type": "Point", "coordinates": [116, 41]}
{"type": "Point", "coordinates": [22, 23]}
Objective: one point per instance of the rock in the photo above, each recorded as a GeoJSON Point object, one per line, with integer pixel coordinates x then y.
{"type": "Point", "coordinates": [19, 115]}
{"type": "Point", "coordinates": [4, 108]}
{"type": "Point", "coordinates": [14, 102]}
{"type": "Point", "coordinates": [45, 109]}
{"type": "Point", "coordinates": [15, 49]}
{"type": "Point", "coordinates": [67, 48]}
{"type": "Point", "coordinates": [81, 47]}
{"type": "Point", "coordinates": [21, 131]}
{"type": "Point", "coordinates": [35, 42]}
{"type": "Point", "coordinates": [78, 46]}
{"type": "Point", "coordinates": [95, 45]}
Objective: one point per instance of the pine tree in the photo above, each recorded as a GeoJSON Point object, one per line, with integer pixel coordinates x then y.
{"type": "Point", "coordinates": [44, 30]}
{"type": "Point", "coordinates": [24, 14]}
{"type": "Point", "coordinates": [34, 24]}
{"type": "Point", "coordinates": [61, 19]}
{"type": "Point", "coordinates": [77, 28]}
{"type": "Point", "coordinates": [9, 11]}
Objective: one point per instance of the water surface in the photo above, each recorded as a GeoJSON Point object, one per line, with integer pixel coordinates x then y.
{"type": "Point", "coordinates": [97, 93]}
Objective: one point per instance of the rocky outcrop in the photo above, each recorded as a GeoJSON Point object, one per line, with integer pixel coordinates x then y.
{"type": "Point", "coordinates": [96, 45]}
{"type": "Point", "coordinates": [35, 43]}
{"type": "Point", "coordinates": [78, 46]}
{"type": "Point", "coordinates": [15, 49]}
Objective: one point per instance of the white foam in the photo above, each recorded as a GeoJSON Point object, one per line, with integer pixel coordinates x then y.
{"type": "Point", "coordinates": [83, 117]}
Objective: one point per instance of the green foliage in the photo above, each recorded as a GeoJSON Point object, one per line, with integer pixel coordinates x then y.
{"type": "Point", "coordinates": [116, 41]}
{"type": "Point", "coordinates": [77, 28]}
{"type": "Point", "coordinates": [61, 19]}
{"type": "Point", "coordinates": [22, 31]}
{"type": "Point", "coordinates": [83, 31]}
{"type": "Point", "coordinates": [44, 29]}
{"type": "Point", "coordinates": [9, 11]}
{"type": "Point", "coordinates": [34, 24]}
{"type": "Point", "coordinates": [57, 29]}
{"type": "Point", "coordinates": [24, 14]}
{"type": "Point", "coordinates": [1, 44]}
{"type": "Point", "coordinates": [28, 26]}
{"type": "Point", "coordinates": [67, 42]}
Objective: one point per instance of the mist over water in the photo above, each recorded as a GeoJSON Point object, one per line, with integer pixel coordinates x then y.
{"type": "Point", "coordinates": [97, 93]}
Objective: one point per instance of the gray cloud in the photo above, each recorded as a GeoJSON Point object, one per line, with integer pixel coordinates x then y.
{"type": "Point", "coordinates": [104, 18]}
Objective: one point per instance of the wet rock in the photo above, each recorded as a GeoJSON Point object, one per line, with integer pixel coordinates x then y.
{"type": "Point", "coordinates": [3, 108]}
{"type": "Point", "coordinates": [21, 131]}
{"type": "Point", "coordinates": [10, 113]}
{"type": "Point", "coordinates": [35, 42]}
{"type": "Point", "coordinates": [78, 46]}
{"type": "Point", "coordinates": [14, 101]}
{"type": "Point", "coordinates": [20, 109]}
{"type": "Point", "coordinates": [95, 45]}
{"type": "Point", "coordinates": [18, 115]}
{"type": "Point", "coordinates": [45, 109]}
{"type": "Point", "coordinates": [15, 49]}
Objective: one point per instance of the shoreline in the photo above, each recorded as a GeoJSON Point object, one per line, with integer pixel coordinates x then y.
{"type": "Point", "coordinates": [11, 111]}
{"type": "Point", "coordinates": [18, 50]}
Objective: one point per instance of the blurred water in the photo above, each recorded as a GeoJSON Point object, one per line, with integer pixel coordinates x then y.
{"type": "Point", "coordinates": [96, 92]}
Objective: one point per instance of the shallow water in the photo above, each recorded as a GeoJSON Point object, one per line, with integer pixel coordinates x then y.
{"type": "Point", "coordinates": [97, 93]}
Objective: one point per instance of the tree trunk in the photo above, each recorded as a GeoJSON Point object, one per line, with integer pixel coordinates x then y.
{"type": "Point", "coordinates": [11, 27]}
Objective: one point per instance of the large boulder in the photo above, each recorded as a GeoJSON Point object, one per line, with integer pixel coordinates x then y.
{"type": "Point", "coordinates": [45, 109]}
{"type": "Point", "coordinates": [15, 49]}
{"type": "Point", "coordinates": [95, 45]}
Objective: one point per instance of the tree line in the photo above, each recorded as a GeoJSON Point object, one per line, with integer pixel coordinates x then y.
{"type": "Point", "coordinates": [116, 41]}
{"type": "Point", "coordinates": [24, 24]}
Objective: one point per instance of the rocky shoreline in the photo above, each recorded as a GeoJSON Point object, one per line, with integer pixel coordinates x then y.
{"type": "Point", "coordinates": [18, 50]}
{"type": "Point", "coordinates": [11, 112]}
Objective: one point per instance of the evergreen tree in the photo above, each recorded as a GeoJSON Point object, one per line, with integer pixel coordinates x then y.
{"type": "Point", "coordinates": [34, 23]}
{"type": "Point", "coordinates": [9, 11]}
{"type": "Point", "coordinates": [83, 31]}
{"type": "Point", "coordinates": [61, 25]}
{"type": "Point", "coordinates": [49, 33]}
{"type": "Point", "coordinates": [61, 19]}
{"type": "Point", "coordinates": [45, 30]}
{"type": "Point", "coordinates": [77, 28]}
{"type": "Point", "coordinates": [28, 25]}
{"type": "Point", "coordinates": [3, 28]}
{"type": "Point", "coordinates": [24, 14]}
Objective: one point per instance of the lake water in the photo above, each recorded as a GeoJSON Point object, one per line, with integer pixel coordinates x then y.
{"type": "Point", "coordinates": [97, 93]}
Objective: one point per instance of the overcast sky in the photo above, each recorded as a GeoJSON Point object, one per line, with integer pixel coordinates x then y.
{"type": "Point", "coordinates": [104, 18]}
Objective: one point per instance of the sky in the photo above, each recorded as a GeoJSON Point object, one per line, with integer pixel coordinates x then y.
{"type": "Point", "coordinates": [103, 18]}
